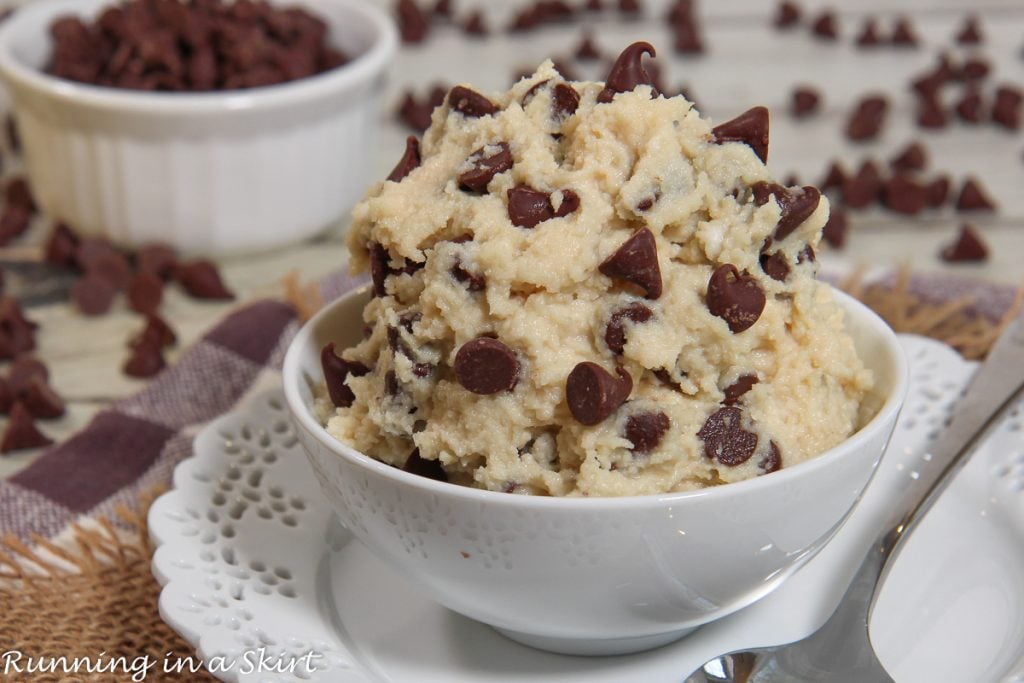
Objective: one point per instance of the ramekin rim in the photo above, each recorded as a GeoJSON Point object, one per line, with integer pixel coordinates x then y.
{"type": "Point", "coordinates": [365, 66]}
{"type": "Point", "coordinates": [887, 412]}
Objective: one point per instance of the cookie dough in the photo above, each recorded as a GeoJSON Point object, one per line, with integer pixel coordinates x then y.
{"type": "Point", "coordinates": [585, 289]}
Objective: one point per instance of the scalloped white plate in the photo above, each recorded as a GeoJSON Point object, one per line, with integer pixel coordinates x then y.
{"type": "Point", "coordinates": [253, 564]}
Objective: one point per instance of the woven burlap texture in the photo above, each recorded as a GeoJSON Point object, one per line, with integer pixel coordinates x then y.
{"type": "Point", "coordinates": [102, 597]}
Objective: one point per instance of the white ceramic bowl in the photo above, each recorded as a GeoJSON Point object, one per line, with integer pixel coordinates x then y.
{"type": "Point", "coordinates": [230, 171]}
{"type": "Point", "coordinates": [593, 575]}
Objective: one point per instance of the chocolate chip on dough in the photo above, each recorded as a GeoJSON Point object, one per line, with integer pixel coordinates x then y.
{"type": "Point", "coordinates": [796, 204]}
{"type": "Point", "coordinates": [615, 332]}
{"type": "Point", "coordinates": [336, 370]}
{"type": "Point", "coordinates": [470, 103]}
{"type": "Point", "coordinates": [484, 166]}
{"type": "Point", "coordinates": [410, 160]}
{"type": "Point", "coordinates": [636, 261]}
{"type": "Point", "coordinates": [486, 366]}
{"type": "Point", "coordinates": [627, 72]}
{"type": "Point", "coordinates": [750, 128]}
{"type": "Point", "coordinates": [593, 393]}
{"type": "Point", "coordinates": [737, 389]}
{"type": "Point", "coordinates": [646, 429]}
{"type": "Point", "coordinates": [527, 207]}
{"type": "Point", "coordinates": [724, 438]}
{"type": "Point", "coordinates": [735, 297]}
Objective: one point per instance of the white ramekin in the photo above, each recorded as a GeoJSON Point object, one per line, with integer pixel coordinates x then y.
{"type": "Point", "coordinates": [230, 171]}
{"type": "Point", "coordinates": [593, 575]}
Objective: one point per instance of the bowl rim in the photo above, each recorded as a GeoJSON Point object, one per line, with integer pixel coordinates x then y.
{"type": "Point", "coordinates": [886, 415]}
{"type": "Point", "coordinates": [107, 98]}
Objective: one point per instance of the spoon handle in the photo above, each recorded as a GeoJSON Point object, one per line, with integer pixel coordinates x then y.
{"type": "Point", "coordinates": [997, 382]}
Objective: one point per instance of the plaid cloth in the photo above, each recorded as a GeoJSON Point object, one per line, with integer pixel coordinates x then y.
{"type": "Point", "coordinates": [134, 444]}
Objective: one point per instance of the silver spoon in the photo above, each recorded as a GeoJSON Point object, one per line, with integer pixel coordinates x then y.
{"type": "Point", "coordinates": [841, 651]}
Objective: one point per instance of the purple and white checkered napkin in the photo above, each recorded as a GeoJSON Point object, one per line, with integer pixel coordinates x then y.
{"type": "Point", "coordinates": [134, 444]}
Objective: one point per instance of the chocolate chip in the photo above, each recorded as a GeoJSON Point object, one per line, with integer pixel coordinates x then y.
{"type": "Point", "coordinates": [156, 333]}
{"type": "Point", "coordinates": [474, 282]}
{"type": "Point", "coordinates": [903, 34]}
{"type": "Point", "coordinates": [970, 32]}
{"type": "Point", "coordinates": [486, 366]}
{"type": "Point", "coordinates": [146, 360]}
{"type": "Point", "coordinates": [937, 191]}
{"type": "Point", "coordinates": [724, 438]}
{"type": "Point", "coordinates": [1006, 110]}
{"type": "Point", "coordinates": [21, 432]}
{"type": "Point", "coordinates": [750, 128]}
{"type": "Point", "coordinates": [593, 393]}
{"type": "Point", "coordinates": [380, 268]}
{"type": "Point", "coordinates": [431, 469]}
{"type": "Point", "coordinates": [6, 396]}
{"type": "Point", "coordinates": [336, 370]}
{"type": "Point", "coordinates": [483, 167]}
{"type": "Point", "coordinates": [787, 15]}
{"type": "Point", "coordinates": [772, 460]}
{"type": "Point", "coordinates": [145, 292]}
{"type": "Point", "coordinates": [930, 112]}
{"type": "Point", "coordinates": [61, 246]}
{"type": "Point", "coordinates": [587, 50]}
{"type": "Point", "coordinates": [734, 297]}
{"type": "Point", "coordinates": [975, 69]}
{"type": "Point", "coordinates": [687, 38]}
{"type": "Point", "coordinates": [14, 222]}
{"type": "Point", "coordinates": [913, 157]}
{"type": "Point", "coordinates": [630, 7]}
{"type": "Point", "coordinates": [665, 377]}
{"type": "Point", "coordinates": [646, 429]}
{"type": "Point", "coordinates": [804, 102]}
{"type": "Point", "coordinates": [970, 108]}
{"type": "Point", "coordinates": [834, 178]}
{"type": "Point", "coordinates": [528, 207]}
{"type": "Point", "coordinates": [470, 103]}
{"type": "Point", "coordinates": [647, 203]}
{"type": "Point", "coordinates": [735, 391]}
{"type": "Point", "coordinates": [18, 193]}
{"type": "Point", "coordinates": [391, 386]}
{"type": "Point", "coordinates": [867, 119]}
{"type": "Point", "coordinates": [475, 26]}
{"type": "Point", "coordinates": [409, 161]}
{"type": "Point", "coordinates": [824, 27]}
{"type": "Point", "coordinates": [636, 261]}
{"type": "Point", "coordinates": [564, 101]}
{"type": "Point", "coordinates": [201, 280]}
{"type": "Point", "coordinates": [415, 113]}
{"type": "Point", "coordinates": [25, 369]}
{"type": "Point", "coordinates": [775, 265]}
{"type": "Point", "coordinates": [412, 22]}
{"type": "Point", "coordinates": [442, 9]}
{"type": "Point", "coordinates": [903, 195]}
{"type": "Point", "coordinates": [627, 72]}
{"type": "Point", "coordinates": [158, 259]}
{"type": "Point", "coordinates": [93, 294]}
{"type": "Point", "coordinates": [868, 36]}
{"type": "Point", "coordinates": [796, 204]}
{"type": "Point", "coordinates": [16, 330]}
{"type": "Point", "coordinates": [864, 187]}
{"type": "Point", "coordinates": [615, 332]}
{"type": "Point", "coordinates": [968, 247]}
{"type": "Point", "coordinates": [40, 400]}
{"type": "Point", "coordinates": [973, 197]}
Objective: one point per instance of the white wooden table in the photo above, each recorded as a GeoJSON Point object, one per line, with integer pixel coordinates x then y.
{"type": "Point", "coordinates": [748, 63]}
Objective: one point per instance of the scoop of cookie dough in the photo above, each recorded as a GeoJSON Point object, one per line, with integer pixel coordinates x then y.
{"type": "Point", "coordinates": [585, 289]}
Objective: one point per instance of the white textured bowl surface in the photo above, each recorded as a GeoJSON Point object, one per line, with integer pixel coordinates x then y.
{"type": "Point", "coordinates": [593, 575]}
{"type": "Point", "coordinates": [229, 171]}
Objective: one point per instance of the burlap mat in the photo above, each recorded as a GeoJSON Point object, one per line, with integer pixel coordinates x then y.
{"type": "Point", "coordinates": [104, 599]}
